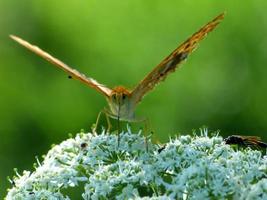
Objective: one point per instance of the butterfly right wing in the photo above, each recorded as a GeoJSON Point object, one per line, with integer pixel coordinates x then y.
{"type": "Point", "coordinates": [72, 72]}
{"type": "Point", "coordinates": [171, 62]}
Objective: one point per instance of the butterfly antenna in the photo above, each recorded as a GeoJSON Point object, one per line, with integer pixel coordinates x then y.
{"type": "Point", "coordinates": [118, 125]}
{"type": "Point", "coordinates": [147, 127]}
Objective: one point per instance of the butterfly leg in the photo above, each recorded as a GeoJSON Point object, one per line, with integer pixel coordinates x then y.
{"type": "Point", "coordinates": [146, 129]}
{"type": "Point", "coordinates": [108, 122]}
{"type": "Point", "coordinates": [94, 127]}
{"type": "Point", "coordinates": [118, 127]}
{"type": "Point", "coordinates": [108, 116]}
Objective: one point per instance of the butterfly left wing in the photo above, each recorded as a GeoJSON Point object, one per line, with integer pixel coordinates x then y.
{"type": "Point", "coordinates": [72, 72]}
{"type": "Point", "coordinates": [170, 63]}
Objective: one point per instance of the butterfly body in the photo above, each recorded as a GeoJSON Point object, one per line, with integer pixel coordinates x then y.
{"type": "Point", "coordinates": [121, 101]}
{"type": "Point", "coordinates": [120, 105]}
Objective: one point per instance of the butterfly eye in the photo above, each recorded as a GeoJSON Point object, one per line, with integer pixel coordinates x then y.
{"type": "Point", "coordinates": [114, 97]}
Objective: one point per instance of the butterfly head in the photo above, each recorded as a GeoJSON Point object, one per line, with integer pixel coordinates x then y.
{"type": "Point", "coordinates": [119, 103]}
{"type": "Point", "coordinates": [119, 96]}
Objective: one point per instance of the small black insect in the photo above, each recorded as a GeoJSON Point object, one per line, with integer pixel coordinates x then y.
{"type": "Point", "coordinates": [161, 148]}
{"type": "Point", "coordinates": [84, 145]}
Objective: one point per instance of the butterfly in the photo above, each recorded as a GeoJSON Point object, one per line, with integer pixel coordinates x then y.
{"type": "Point", "coordinates": [246, 141]}
{"type": "Point", "coordinates": [122, 102]}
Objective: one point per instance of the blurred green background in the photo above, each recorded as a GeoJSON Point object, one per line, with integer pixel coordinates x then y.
{"type": "Point", "coordinates": [222, 85]}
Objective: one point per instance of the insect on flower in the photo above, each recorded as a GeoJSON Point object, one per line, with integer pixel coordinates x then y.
{"type": "Point", "coordinates": [122, 102]}
{"type": "Point", "coordinates": [245, 141]}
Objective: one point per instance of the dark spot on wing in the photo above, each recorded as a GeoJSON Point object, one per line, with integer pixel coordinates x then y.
{"type": "Point", "coordinates": [187, 45]}
{"type": "Point", "coordinates": [183, 55]}
{"type": "Point", "coordinates": [176, 60]}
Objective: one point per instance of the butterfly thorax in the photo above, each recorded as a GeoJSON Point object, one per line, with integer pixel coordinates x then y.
{"type": "Point", "coordinates": [120, 104]}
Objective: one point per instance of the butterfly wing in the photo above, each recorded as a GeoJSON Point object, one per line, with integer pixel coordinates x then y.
{"type": "Point", "coordinates": [170, 63]}
{"type": "Point", "coordinates": [72, 72]}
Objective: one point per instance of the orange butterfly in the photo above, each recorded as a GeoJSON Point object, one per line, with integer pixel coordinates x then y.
{"type": "Point", "coordinates": [122, 102]}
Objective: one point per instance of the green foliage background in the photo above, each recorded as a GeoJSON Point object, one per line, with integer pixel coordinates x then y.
{"type": "Point", "coordinates": [222, 85]}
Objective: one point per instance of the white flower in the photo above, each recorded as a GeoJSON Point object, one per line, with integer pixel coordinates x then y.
{"type": "Point", "coordinates": [187, 167]}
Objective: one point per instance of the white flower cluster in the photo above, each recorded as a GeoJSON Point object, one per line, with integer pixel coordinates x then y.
{"type": "Point", "coordinates": [187, 167]}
